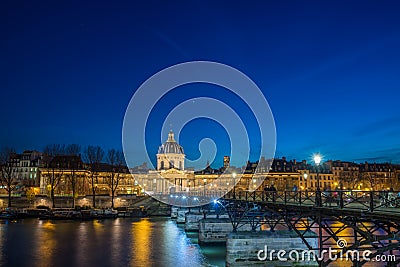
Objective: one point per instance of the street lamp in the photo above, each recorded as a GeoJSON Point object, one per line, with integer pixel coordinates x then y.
{"type": "Point", "coordinates": [205, 181]}
{"type": "Point", "coordinates": [305, 175]}
{"type": "Point", "coordinates": [317, 160]}
{"type": "Point", "coordinates": [234, 184]}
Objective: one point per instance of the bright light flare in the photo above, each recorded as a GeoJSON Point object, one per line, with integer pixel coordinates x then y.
{"type": "Point", "coordinates": [317, 159]}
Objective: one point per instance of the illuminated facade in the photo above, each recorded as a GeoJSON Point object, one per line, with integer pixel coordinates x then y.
{"type": "Point", "coordinates": [26, 168]}
{"type": "Point", "coordinates": [70, 169]}
{"type": "Point", "coordinates": [170, 175]}
{"type": "Point", "coordinates": [170, 155]}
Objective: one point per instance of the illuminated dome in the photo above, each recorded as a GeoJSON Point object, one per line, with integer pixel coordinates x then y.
{"type": "Point", "coordinates": [170, 155]}
{"type": "Point", "coordinates": [171, 146]}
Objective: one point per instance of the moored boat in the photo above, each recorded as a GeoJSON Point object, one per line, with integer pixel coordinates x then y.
{"type": "Point", "coordinates": [5, 215]}
{"type": "Point", "coordinates": [61, 215]}
{"type": "Point", "coordinates": [99, 214]}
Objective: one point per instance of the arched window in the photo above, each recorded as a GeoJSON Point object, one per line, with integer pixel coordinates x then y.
{"type": "Point", "coordinates": [171, 164]}
{"type": "Point", "coordinates": [180, 165]}
{"type": "Point", "coordinates": [162, 165]}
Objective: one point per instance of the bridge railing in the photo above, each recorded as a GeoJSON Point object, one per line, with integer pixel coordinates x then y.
{"type": "Point", "coordinates": [339, 199]}
{"type": "Point", "coordinates": [387, 201]}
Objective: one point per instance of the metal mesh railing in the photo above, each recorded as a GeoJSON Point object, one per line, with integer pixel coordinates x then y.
{"type": "Point", "coordinates": [372, 201]}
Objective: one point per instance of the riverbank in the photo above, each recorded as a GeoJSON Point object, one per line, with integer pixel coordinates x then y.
{"type": "Point", "coordinates": [66, 201]}
{"type": "Point", "coordinates": [126, 206]}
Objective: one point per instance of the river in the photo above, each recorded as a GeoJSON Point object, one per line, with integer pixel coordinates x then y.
{"type": "Point", "coordinates": [114, 242]}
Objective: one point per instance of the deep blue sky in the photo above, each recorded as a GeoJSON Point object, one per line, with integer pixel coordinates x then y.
{"type": "Point", "coordinates": [330, 71]}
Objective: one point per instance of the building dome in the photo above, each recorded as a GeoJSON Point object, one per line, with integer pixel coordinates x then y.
{"type": "Point", "coordinates": [171, 146]}
{"type": "Point", "coordinates": [170, 155]}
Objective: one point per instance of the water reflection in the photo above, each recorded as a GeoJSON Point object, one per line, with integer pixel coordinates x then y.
{"type": "Point", "coordinates": [45, 243]}
{"type": "Point", "coordinates": [3, 230]}
{"type": "Point", "coordinates": [141, 243]}
{"type": "Point", "coordinates": [117, 239]}
{"type": "Point", "coordinates": [83, 250]}
{"type": "Point", "coordinates": [161, 241]}
{"type": "Point", "coordinates": [181, 250]}
{"type": "Point", "coordinates": [120, 242]}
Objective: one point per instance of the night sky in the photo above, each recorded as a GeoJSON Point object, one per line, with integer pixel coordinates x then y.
{"type": "Point", "coordinates": [330, 71]}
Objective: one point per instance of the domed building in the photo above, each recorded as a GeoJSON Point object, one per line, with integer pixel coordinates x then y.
{"type": "Point", "coordinates": [170, 155]}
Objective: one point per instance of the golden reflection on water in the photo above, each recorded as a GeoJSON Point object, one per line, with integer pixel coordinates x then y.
{"type": "Point", "coordinates": [48, 225]}
{"type": "Point", "coordinates": [98, 225]}
{"type": "Point", "coordinates": [45, 243]}
{"type": "Point", "coordinates": [141, 243]}
{"type": "Point", "coordinates": [116, 241]}
{"type": "Point", "coordinates": [120, 242]}
{"type": "Point", "coordinates": [83, 242]}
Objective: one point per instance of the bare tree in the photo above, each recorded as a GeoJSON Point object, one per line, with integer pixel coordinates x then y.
{"type": "Point", "coordinates": [93, 156]}
{"type": "Point", "coordinates": [370, 179]}
{"type": "Point", "coordinates": [73, 150]}
{"type": "Point", "coordinates": [349, 178]}
{"type": "Point", "coordinates": [7, 177]}
{"type": "Point", "coordinates": [53, 150]}
{"type": "Point", "coordinates": [53, 165]}
{"type": "Point", "coordinates": [73, 165]}
{"type": "Point", "coordinates": [115, 159]}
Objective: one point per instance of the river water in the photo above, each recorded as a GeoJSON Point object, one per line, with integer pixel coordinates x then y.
{"type": "Point", "coordinates": [119, 242]}
{"type": "Point", "coordinates": [113, 242]}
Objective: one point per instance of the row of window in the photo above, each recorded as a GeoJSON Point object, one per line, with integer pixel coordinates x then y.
{"type": "Point", "coordinates": [25, 170]}
{"type": "Point", "coordinates": [321, 177]}
{"type": "Point", "coordinates": [25, 164]}
{"type": "Point", "coordinates": [25, 176]}
{"type": "Point", "coordinates": [314, 184]}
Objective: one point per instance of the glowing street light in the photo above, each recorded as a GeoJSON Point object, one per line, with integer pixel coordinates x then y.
{"type": "Point", "coordinates": [305, 175]}
{"type": "Point", "coordinates": [317, 159]}
{"type": "Point", "coordinates": [318, 201]}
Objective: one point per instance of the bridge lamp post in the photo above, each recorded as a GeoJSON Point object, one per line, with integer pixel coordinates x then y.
{"type": "Point", "coordinates": [234, 184]}
{"type": "Point", "coordinates": [317, 160]}
{"type": "Point", "coordinates": [305, 175]}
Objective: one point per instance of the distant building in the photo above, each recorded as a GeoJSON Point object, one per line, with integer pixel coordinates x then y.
{"type": "Point", "coordinates": [170, 155]}
{"type": "Point", "coordinates": [63, 166]}
{"type": "Point", "coordinates": [26, 169]}
{"type": "Point", "coordinates": [377, 176]}
{"type": "Point", "coordinates": [32, 170]}
{"type": "Point", "coordinates": [227, 161]}
{"type": "Point", "coordinates": [170, 175]}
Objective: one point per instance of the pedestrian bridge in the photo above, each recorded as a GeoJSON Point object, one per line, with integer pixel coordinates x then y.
{"type": "Point", "coordinates": [367, 201]}
{"type": "Point", "coordinates": [367, 220]}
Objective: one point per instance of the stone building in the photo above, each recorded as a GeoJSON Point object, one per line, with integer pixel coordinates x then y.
{"type": "Point", "coordinates": [170, 175]}
{"type": "Point", "coordinates": [170, 155]}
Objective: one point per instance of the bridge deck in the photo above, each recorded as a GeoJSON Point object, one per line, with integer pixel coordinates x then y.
{"type": "Point", "coordinates": [363, 204]}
